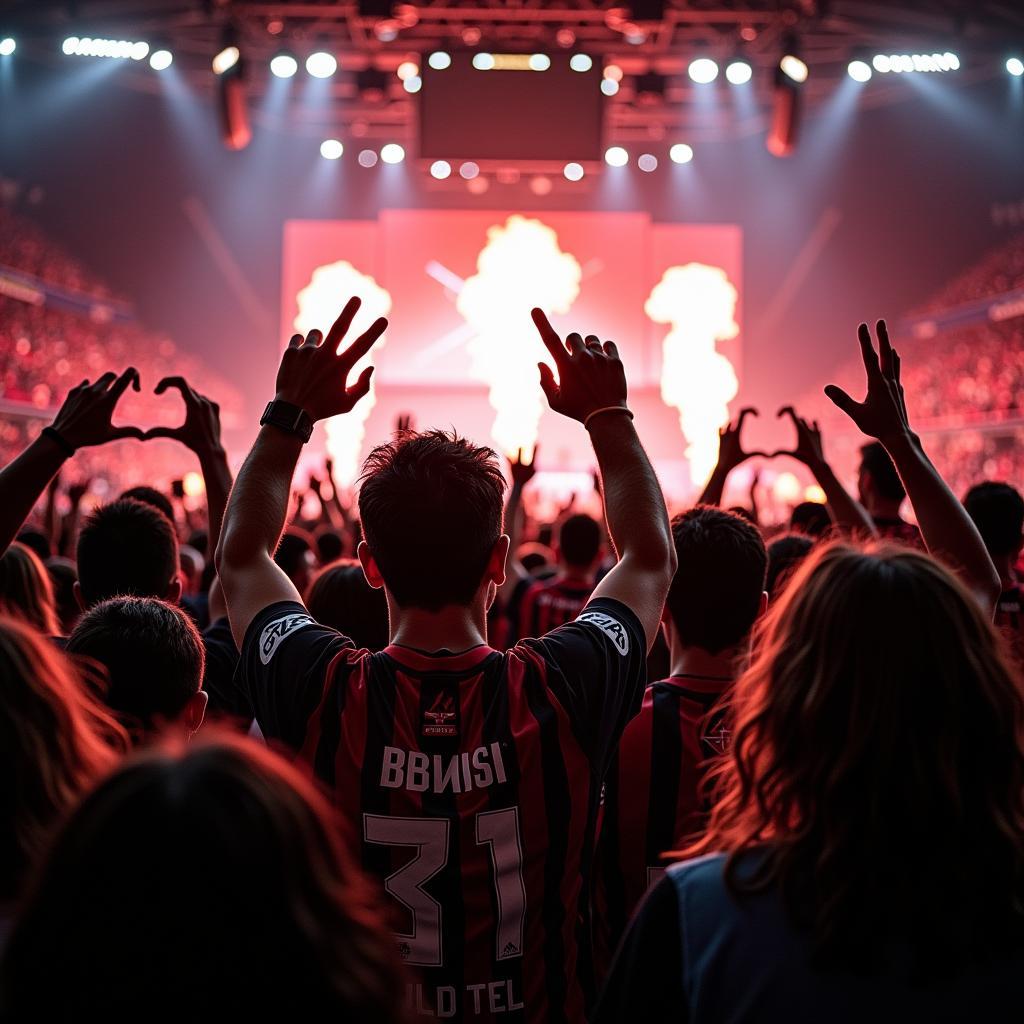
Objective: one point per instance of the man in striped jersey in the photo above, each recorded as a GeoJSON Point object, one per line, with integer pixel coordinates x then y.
{"type": "Point", "coordinates": [468, 779]}
{"type": "Point", "coordinates": [656, 793]}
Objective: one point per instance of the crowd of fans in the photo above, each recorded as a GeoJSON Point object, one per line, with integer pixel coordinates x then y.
{"type": "Point", "coordinates": [425, 757]}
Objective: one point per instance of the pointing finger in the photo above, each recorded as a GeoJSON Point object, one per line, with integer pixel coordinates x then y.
{"type": "Point", "coordinates": [549, 336]}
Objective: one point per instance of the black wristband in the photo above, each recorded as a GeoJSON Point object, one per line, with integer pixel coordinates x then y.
{"type": "Point", "coordinates": [288, 417]}
{"type": "Point", "coordinates": [59, 440]}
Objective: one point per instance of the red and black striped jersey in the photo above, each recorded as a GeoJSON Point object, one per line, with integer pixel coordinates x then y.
{"type": "Point", "coordinates": [469, 784]}
{"type": "Point", "coordinates": [546, 604]}
{"type": "Point", "coordinates": [1010, 621]}
{"type": "Point", "coordinates": [656, 795]}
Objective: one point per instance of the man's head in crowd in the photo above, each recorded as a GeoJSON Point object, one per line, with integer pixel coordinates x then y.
{"type": "Point", "coordinates": [151, 496]}
{"type": "Point", "coordinates": [127, 547]}
{"type": "Point", "coordinates": [153, 657]}
{"type": "Point", "coordinates": [340, 597]}
{"type": "Point", "coordinates": [330, 545]}
{"type": "Point", "coordinates": [879, 486]}
{"type": "Point", "coordinates": [810, 518]}
{"type": "Point", "coordinates": [717, 592]}
{"type": "Point", "coordinates": [295, 558]}
{"type": "Point", "coordinates": [785, 554]}
{"type": "Point", "coordinates": [998, 512]}
{"type": "Point", "coordinates": [26, 592]}
{"type": "Point", "coordinates": [579, 543]}
{"type": "Point", "coordinates": [431, 511]}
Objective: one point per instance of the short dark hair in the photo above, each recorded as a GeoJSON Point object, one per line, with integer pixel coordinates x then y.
{"type": "Point", "coordinates": [151, 496]}
{"type": "Point", "coordinates": [292, 550]}
{"type": "Point", "coordinates": [126, 547]}
{"type": "Point", "coordinates": [37, 541]}
{"type": "Point", "coordinates": [875, 461]}
{"type": "Point", "coordinates": [716, 592]}
{"type": "Point", "coordinates": [152, 653]}
{"type": "Point", "coordinates": [785, 554]}
{"type": "Point", "coordinates": [998, 512]}
{"type": "Point", "coordinates": [340, 597]}
{"type": "Point", "coordinates": [811, 518]}
{"type": "Point", "coordinates": [579, 540]}
{"type": "Point", "coordinates": [431, 507]}
{"type": "Point", "coordinates": [330, 545]}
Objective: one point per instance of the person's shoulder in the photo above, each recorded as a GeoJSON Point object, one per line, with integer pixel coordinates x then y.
{"type": "Point", "coordinates": [707, 871]}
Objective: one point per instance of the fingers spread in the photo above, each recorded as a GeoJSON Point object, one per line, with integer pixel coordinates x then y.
{"type": "Point", "coordinates": [362, 384]}
{"type": "Point", "coordinates": [867, 351]}
{"type": "Point", "coordinates": [840, 398]}
{"type": "Point", "coordinates": [340, 326]}
{"type": "Point", "coordinates": [549, 336]}
{"type": "Point", "coordinates": [884, 348]}
{"type": "Point", "coordinates": [364, 343]}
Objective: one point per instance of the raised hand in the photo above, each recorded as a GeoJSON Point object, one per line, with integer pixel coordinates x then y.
{"type": "Point", "coordinates": [403, 423]}
{"type": "Point", "coordinates": [84, 419]}
{"type": "Point", "coordinates": [730, 446]}
{"type": "Point", "coordinates": [883, 413]}
{"type": "Point", "coordinates": [314, 374]}
{"type": "Point", "coordinates": [809, 449]}
{"type": "Point", "coordinates": [200, 432]}
{"type": "Point", "coordinates": [523, 471]}
{"type": "Point", "coordinates": [590, 374]}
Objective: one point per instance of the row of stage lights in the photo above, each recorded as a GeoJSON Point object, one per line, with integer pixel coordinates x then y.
{"type": "Point", "coordinates": [702, 70]}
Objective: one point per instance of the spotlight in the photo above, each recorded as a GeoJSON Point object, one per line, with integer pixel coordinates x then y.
{"type": "Point", "coordinates": [1013, 64]}
{"type": "Point", "coordinates": [616, 156]}
{"type": "Point", "coordinates": [540, 185]}
{"type": "Point", "coordinates": [469, 170]}
{"type": "Point", "coordinates": [331, 149]}
{"type": "Point", "coordinates": [367, 158]}
{"type": "Point", "coordinates": [408, 69]}
{"type": "Point", "coordinates": [321, 64]}
{"type": "Point", "coordinates": [573, 171]}
{"type": "Point", "coordinates": [226, 59]}
{"type": "Point", "coordinates": [904, 63]}
{"type": "Point", "coordinates": [703, 70]}
{"type": "Point", "coordinates": [681, 153]}
{"type": "Point", "coordinates": [483, 61]}
{"type": "Point", "coordinates": [120, 49]}
{"type": "Point", "coordinates": [647, 162]}
{"type": "Point", "coordinates": [614, 72]}
{"type": "Point", "coordinates": [739, 72]}
{"type": "Point", "coordinates": [440, 169]}
{"type": "Point", "coordinates": [478, 186]}
{"type": "Point", "coordinates": [439, 60]}
{"type": "Point", "coordinates": [539, 62]}
{"type": "Point", "coordinates": [413, 84]}
{"type": "Point", "coordinates": [392, 153]}
{"type": "Point", "coordinates": [161, 59]}
{"type": "Point", "coordinates": [793, 67]}
{"type": "Point", "coordinates": [284, 65]}
{"type": "Point", "coordinates": [859, 70]}
{"type": "Point", "coordinates": [609, 86]}
{"type": "Point", "coordinates": [580, 62]}
{"type": "Point", "coordinates": [8, 46]}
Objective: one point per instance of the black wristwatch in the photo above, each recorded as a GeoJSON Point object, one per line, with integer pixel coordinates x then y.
{"type": "Point", "coordinates": [289, 418]}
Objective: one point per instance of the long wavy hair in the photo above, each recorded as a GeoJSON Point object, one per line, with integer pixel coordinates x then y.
{"type": "Point", "coordinates": [877, 765]}
{"type": "Point", "coordinates": [26, 591]}
{"type": "Point", "coordinates": [56, 741]}
{"type": "Point", "coordinates": [209, 876]}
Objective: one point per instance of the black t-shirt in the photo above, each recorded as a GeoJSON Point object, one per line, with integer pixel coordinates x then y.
{"type": "Point", "coordinates": [218, 680]}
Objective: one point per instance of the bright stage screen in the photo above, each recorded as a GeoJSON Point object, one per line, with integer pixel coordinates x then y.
{"type": "Point", "coordinates": [461, 349]}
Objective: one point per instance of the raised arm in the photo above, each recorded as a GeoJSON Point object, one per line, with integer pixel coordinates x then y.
{"type": "Point", "coordinates": [591, 388]}
{"type": "Point", "coordinates": [83, 421]}
{"type": "Point", "coordinates": [945, 525]}
{"type": "Point", "coordinates": [522, 473]}
{"type": "Point", "coordinates": [730, 455]}
{"type": "Point", "coordinates": [847, 513]}
{"type": "Point", "coordinates": [313, 377]}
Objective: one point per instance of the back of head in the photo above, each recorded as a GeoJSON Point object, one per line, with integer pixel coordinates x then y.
{"type": "Point", "coordinates": [715, 594]}
{"type": "Point", "coordinates": [811, 518]}
{"type": "Point", "coordinates": [55, 742]}
{"type": "Point", "coordinates": [294, 556]}
{"type": "Point", "coordinates": [63, 577]}
{"type": "Point", "coordinates": [152, 497]}
{"type": "Point", "coordinates": [330, 545]}
{"type": "Point", "coordinates": [879, 743]}
{"type": "Point", "coordinates": [785, 554]}
{"type": "Point", "coordinates": [37, 541]}
{"type": "Point", "coordinates": [579, 541]}
{"type": "Point", "coordinates": [152, 653]}
{"type": "Point", "coordinates": [431, 508]}
{"type": "Point", "coordinates": [26, 592]}
{"type": "Point", "coordinates": [127, 547]}
{"type": "Point", "coordinates": [886, 482]}
{"type": "Point", "coordinates": [212, 877]}
{"type": "Point", "coordinates": [340, 597]}
{"type": "Point", "coordinates": [998, 512]}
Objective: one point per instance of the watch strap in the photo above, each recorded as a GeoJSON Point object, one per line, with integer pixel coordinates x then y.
{"type": "Point", "coordinates": [292, 419]}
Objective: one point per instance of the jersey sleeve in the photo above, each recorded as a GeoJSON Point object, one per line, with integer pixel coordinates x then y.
{"type": "Point", "coordinates": [283, 668]}
{"type": "Point", "coordinates": [597, 669]}
{"type": "Point", "coordinates": [219, 677]}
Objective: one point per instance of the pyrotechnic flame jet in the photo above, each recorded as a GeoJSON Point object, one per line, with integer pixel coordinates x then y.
{"type": "Point", "coordinates": [699, 302]}
{"type": "Point", "coordinates": [521, 266]}
{"type": "Point", "coordinates": [319, 304]}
